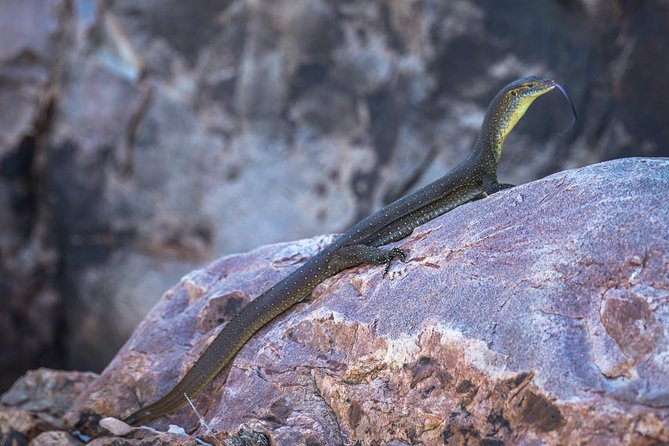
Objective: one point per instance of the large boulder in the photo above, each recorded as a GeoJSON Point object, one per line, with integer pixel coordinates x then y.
{"type": "Point", "coordinates": [540, 313]}
{"type": "Point", "coordinates": [140, 140]}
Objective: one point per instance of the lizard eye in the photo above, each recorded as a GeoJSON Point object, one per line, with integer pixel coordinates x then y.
{"type": "Point", "coordinates": [514, 93]}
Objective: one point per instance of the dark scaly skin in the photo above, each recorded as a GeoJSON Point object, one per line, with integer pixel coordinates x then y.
{"type": "Point", "coordinates": [474, 178]}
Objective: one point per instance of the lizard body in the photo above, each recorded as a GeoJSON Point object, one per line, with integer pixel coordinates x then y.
{"type": "Point", "coordinates": [472, 179]}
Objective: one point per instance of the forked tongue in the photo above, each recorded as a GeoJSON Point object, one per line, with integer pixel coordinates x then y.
{"type": "Point", "coordinates": [571, 104]}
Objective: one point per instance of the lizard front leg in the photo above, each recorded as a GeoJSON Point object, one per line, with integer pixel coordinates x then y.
{"type": "Point", "coordinates": [353, 255]}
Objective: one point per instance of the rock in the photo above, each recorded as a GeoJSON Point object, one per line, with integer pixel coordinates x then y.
{"type": "Point", "coordinates": [17, 426]}
{"type": "Point", "coordinates": [47, 391]}
{"type": "Point", "coordinates": [538, 315]}
{"type": "Point", "coordinates": [139, 140]}
{"type": "Point", "coordinates": [30, 48]}
{"type": "Point", "coordinates": [55, 438]}
{"type": "Point", "coordinates": [33, 408]}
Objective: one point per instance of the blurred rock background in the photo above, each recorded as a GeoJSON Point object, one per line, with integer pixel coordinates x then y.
{"type": "Point", "coordinates": [140, 140]}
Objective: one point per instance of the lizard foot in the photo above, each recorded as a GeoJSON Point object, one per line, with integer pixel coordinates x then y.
{"type": "Point", "coordinates": [395, 253]}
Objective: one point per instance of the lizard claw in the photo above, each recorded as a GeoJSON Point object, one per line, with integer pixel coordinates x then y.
{"type": "Point", "coordinates": [395, 253]}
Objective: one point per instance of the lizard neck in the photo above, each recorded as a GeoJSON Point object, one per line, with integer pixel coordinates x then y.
{"type": "Point", "coordinates": [488, 145]}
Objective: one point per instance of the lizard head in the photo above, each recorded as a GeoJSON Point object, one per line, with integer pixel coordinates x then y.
{"type": "Point", "coordinates": [512, 102]}
{"type": "Point", "coordinates": [510, 105]}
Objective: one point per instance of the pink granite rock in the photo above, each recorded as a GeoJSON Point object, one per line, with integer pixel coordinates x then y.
{"type": "Point", "coordinates": [538, 315]}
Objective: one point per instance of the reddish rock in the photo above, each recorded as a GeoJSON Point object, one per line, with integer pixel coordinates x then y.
{"type": "Point", "coordinates": [55, 438]}
{"type": "Point", "coordinates": [48, 391]}
{"type": "Point", "coordinates": [32, 409]}
{"type": "Point", "coordinates": [17, 426]}
{"type": "Point", "coordinates": [540, 314]}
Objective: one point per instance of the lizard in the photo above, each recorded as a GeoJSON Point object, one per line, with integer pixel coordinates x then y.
{"type": "Point", "coordinates": [472, 179]}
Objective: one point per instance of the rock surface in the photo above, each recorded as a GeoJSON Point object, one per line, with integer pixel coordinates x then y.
{"type": "Point", "coordinates": [141, 139]}
{"type": "Point", "coordinates": [539, 315]}
{"type": "Point", "coordinates": [30, 55]}
{"type": "Point", "coordinates": [33, 408]}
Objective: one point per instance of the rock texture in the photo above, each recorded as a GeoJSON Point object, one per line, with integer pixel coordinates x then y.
{"type": "Point", "coordinates": [31, 303]}
{"type": "Point", "coordinates": [537, 316]}
{"type": "Point", "coordinates": [33, 408]}
{"type": "Point", "coordinates": [141, 139]}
